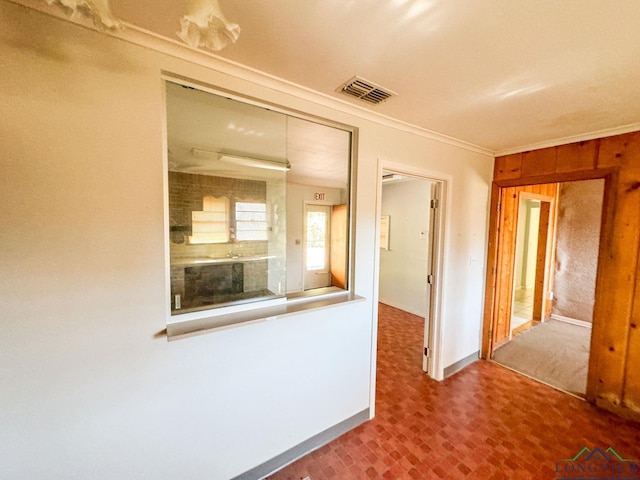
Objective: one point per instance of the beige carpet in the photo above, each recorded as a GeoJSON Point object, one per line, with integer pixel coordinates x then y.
{"type": "Point", "coordinates": [553, 352]}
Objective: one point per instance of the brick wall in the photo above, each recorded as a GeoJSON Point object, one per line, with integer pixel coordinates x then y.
{"type": "Point", "coordinates": [186, 192]}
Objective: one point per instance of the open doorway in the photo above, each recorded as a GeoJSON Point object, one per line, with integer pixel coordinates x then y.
{"type": "Point", "coordinates": [554, 264]}
{"type": "Point", "coordinates": [533, 258]}
{"type": "Point", "coordinates": [410, 231]}
{"type": "Point", "coordinates": [525, 265]}
{"type": "Point", "coordinates": [324, 246]}
{"type": "Point", "coordinates": [317, 237]}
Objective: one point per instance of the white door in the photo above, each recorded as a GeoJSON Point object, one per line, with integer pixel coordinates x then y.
{"type": "Point", "coordinates": [433, 213]}
{"type": "Point", "coordinates": [317, 226]}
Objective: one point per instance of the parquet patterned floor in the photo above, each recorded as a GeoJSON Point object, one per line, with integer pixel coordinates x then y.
{"type": "Point", "coordinates": [485, 422]}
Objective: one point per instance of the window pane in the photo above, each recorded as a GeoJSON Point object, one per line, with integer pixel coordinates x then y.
{"type": "Point", "coordinates": [316, 240]}
{"type": "Point", "coordinates": [239, 180]}
{"type": "Point", "coordinates": [251, 221]}
{"type": "Point", "coordinates": [211, 225]}
{"type": "Point", "coordinates": [242, 207]}
{"type": "Point", "coordinates": [224, 249]}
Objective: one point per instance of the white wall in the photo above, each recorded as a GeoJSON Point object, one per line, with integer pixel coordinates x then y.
{"type": "Point", "coordinates": [297, 196]}
{"type": "Point", "coordinates": [90, 387]}
{"type": "Point", "coordinates": [532, 231]}
{"type": "Point", "coordinates": [468, 176]}
{"type": "Point", "coordinates": [403, 268]}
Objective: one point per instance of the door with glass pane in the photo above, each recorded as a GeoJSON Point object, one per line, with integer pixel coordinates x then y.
{"type": "Point", "coordinates": [317, 235]}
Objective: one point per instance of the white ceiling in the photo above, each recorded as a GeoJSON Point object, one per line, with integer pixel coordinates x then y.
{"type": "Point", "coordinates": [499, 74]}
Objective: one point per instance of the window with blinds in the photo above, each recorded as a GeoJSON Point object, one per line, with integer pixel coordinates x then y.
{"type": "Point", "coordinates": [251, 221]}
{"type": "Point", "coordinates": [211, 224]}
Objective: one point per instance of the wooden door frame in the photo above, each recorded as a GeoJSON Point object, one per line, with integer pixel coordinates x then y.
{"type": "Point", "coordinates": [545, 255]}
{"type": "Point", "coordinates": [498, 188]}
{"type": "Point", "coordinates": [502, 296]}
{"type": "Point", "coordinates": [613, 380]}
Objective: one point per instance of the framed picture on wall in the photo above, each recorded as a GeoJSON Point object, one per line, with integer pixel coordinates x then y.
{"type": "Point", "coordinates": [384, 232]}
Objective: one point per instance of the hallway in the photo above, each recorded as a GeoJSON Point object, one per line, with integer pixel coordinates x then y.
{"type": "Point", "coordinates": [522, 314]}
{"type": "Point", "coordinates": [485, 422]}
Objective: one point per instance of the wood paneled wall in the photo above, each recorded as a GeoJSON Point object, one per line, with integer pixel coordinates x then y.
{"type": "Point", "coordinates": [614, 366]}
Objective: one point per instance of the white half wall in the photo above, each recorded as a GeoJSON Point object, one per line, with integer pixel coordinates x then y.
{"type": "Point", "coordinates": [403, 267]}
{"type": "Point", "coordinates": [91, 389]}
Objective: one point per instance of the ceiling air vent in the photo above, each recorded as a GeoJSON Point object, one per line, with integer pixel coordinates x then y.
{"type": "Point", "coordinates": [366, 91]}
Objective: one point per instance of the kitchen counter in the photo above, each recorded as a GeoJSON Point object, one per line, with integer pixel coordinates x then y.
{"type": "Point", "coordinates": [190, 262]}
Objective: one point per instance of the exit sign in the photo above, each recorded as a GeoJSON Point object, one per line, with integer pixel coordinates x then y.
{"type": "Point", "coordinates": [320, 196]}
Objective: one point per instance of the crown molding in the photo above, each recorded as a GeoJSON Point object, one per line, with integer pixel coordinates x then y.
{"type": "Point", "coordinates": [607, 132]}
{"type": "Point", "coordinates": [174, 48]}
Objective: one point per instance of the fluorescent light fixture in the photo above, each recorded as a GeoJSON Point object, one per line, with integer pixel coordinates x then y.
{"type": "Point", "coordinates": [244, 161]}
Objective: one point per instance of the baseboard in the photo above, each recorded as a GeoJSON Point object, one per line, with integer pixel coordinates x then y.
{"type": "Point", "coordinates": [623, 411]}
{"type": "Point", "coordinates": [460, 364]}
{"type": "Point", "coordinates": [572, 321]}
{"type": "Point", "coordinates": [302, 449]}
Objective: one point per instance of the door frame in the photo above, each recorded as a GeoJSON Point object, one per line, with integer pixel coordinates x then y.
{"type": "Point", "coordinates": [494, 273]}
{"type": "Point", "coordinates": [544, 260]}
{"type": "Point", "coordinates": [497, 322]}
{"type": "Point", "coordinates": [545, 255]}
{"type": "Point", "coordinates": [435, 368]}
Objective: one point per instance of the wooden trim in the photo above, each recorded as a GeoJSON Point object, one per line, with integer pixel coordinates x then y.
{"type": "Point", "coordinates": [501, 264]}
{"type": "Point", "coordinates": [551, 256]}
{"type": "Point", "coordinates": [508, 167]}
{"type": "Point", "coordinates": [632, 378]}
{"type": "Point", "coordinates": [558, 177]}
{"type": "Point", "coordinates": [492, 265]}
{"type": "Point", "coordinates": [545, 256]}
{"type": "Point", "coordinates": [615, 282]}
{"type": "Point", "coordinates": [543, 197]}
{"type": "Point", "coordinates": [621, 410]}
{"type": "Point", "coordinates": [539, 295]}
{"type": "Point", "coordinates": [505, 271]}
{"type": "Point", "coordinates": [539, 162]}
{"type": "Point", "coordinates": [577, 156]}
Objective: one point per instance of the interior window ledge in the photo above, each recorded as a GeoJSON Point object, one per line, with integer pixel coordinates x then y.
{"type": "Point", "coordinates": [190, 328]}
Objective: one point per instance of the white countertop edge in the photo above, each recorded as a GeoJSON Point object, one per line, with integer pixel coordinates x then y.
{"type": "Point", "coordinates": [200, 326]}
